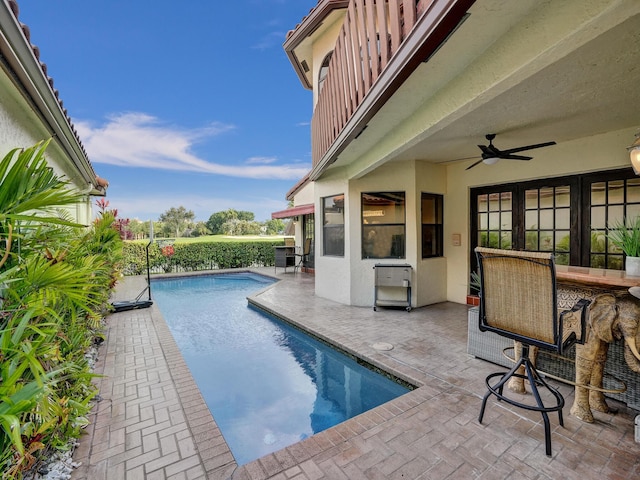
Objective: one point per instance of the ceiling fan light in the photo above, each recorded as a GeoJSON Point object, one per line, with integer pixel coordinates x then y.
{"type": "Point", "coordinates": [634, 155]}
{"type": "Point", "coordinates": [490, 160]}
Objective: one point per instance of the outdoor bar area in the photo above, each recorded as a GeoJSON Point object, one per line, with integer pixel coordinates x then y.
{"type": "Point", "coordinates": [609, 372]}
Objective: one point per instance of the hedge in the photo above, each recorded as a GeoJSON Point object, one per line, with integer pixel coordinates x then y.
{"type": "Point", "coordinates": [189, 257]}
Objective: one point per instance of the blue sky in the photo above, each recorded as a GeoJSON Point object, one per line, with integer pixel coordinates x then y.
{"type": "Point", "coordinates": [181, 103]}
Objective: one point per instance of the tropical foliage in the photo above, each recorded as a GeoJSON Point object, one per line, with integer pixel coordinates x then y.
{"type": "Point", "coordinates": [625, 236]}
{"type": "Point", "coordinates": [55, 280]}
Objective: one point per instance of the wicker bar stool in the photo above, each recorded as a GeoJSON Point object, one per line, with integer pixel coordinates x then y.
{"type": "Point", "coordinates": [518, 300]}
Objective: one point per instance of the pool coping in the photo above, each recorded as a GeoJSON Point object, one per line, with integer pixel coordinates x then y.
{"type": "Point", "coordinates": [215, 454]}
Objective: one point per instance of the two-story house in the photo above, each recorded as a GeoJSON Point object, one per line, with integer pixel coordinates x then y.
{"type": "Point", "coordinates": [404, 96]}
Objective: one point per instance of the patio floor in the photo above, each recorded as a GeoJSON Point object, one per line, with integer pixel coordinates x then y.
{"type": "Point", "coordinates": [152, 422]}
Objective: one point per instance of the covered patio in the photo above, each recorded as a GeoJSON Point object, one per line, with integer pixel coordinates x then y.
{"type": "Point", "coordinates": [152, 421]}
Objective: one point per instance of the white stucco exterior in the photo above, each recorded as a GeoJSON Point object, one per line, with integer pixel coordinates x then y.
{"type": "Point", "coordinates": [530, 71]}
{"type": "Point", "coordinates": [350, 279]}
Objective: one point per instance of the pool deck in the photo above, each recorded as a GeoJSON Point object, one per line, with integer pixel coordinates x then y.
{"type": "Point", "coordinates": [152, 423]}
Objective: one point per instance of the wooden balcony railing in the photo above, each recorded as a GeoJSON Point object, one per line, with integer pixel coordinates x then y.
{"type": "Point", "coordinates": [371, 35]}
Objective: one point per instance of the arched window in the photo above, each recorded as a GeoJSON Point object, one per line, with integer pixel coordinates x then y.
{"type": "Point", "coordinates": [324, 68]}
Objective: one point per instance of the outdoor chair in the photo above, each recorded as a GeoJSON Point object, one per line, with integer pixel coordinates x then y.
{"type": "Point", "coordinates": [518, 301]}
{"type": "Point", "coordinates": [306, 250]}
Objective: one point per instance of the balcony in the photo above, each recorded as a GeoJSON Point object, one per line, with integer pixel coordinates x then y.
{"type": "Point", "coordinates": [380, 44]}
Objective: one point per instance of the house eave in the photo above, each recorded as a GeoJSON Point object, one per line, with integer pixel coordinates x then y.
{"type": "Point", "coordinates": [298, 186]}
{"type": "Point", "coordinates": [304, 29]}
{"type": "Point", "coordinates": [19, 60]}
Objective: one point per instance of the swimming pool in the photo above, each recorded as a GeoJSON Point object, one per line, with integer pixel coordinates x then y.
{"type": "Point", "coordinates": [267, 384]}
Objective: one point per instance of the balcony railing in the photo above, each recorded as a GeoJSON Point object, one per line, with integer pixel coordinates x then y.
{"type": "Point", "coordinates": [372, 33]}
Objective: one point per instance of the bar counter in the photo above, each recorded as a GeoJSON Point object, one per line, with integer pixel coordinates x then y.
{"type": "Point", "coordinates": [574, 283]}
{"type": "Point", "coordinates": [595, 277]}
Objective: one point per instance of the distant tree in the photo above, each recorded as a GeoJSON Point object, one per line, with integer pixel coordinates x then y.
{"type": "Point", "coordinates": [274, 226]}
{"type": "Point", "coordinates": [241, 227]}
{"type": "Point", "coordinates": [218, 219]}
{"type": "Point", "coordinates": [164, 230]}
{"type": "Point", "coordinates": [200, 229]}
{"type": "Point", "coordinates": [244, 215]}
{"type": "Point", "coordinates": [177, 220]}
{"type": "Point", "coordinates": [138, 228]}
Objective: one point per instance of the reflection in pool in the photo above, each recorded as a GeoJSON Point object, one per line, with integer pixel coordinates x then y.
{"type": "Point", "coordinates": [267, 384]}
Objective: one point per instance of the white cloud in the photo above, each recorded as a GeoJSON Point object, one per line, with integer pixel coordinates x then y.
{"type": "Point", "coordinates": [260, 160]}
{"type": "Point", "coordinates": [143, 141]}
{"type": "Point", "coordinates": [269, 40]}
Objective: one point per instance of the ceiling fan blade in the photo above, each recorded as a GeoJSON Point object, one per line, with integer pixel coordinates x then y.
{"type": "Point", "coordinates": [494, 151]}
{"type": "Point", "coordinates": [528, 147]}
{"type": "Point", "coordinates": [474, 164]}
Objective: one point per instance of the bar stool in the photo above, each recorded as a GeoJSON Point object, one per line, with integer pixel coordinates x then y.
{"type": "Point", "coordinates": [518, 300]}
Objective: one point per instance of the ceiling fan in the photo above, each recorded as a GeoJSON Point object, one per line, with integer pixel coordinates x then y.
{"type": "Point", "coordinates": [491, 154]}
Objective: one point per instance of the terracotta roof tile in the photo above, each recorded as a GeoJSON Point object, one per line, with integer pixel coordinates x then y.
{"type": "Point", "coordinates": [290, 32]}
{"type": "Point", "coordinates": [13, 4]}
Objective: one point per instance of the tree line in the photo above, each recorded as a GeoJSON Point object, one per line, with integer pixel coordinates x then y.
{"type": "Point", "coordinates": [180, 222]}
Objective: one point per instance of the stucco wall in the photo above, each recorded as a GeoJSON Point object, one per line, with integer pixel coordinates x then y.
{"type": "Point", "coordinates": [333, 274]}
{"type": "Point", "coordinates": [390, 178]}
{"type": "Point", "coordinates": [305, 195]}
{"type": "Point", "coordinates": [431, 273]}
{"type": "Point", "coordinates": [597, 153]}
{"type": "Point", "coordinates": [351, 279]}
{"type": "Point", "coordinates": [21, 127]}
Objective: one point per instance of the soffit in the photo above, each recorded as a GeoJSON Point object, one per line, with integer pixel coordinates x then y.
{"type": "Point", "coordinates": [299, 43]}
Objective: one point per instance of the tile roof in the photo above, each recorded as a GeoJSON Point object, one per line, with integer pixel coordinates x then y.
{"type": "Point", "coordinates": [13, 5]}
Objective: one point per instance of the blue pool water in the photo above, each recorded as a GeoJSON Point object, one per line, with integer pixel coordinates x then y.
{"type": "Point", "coordinates": [267, 384]}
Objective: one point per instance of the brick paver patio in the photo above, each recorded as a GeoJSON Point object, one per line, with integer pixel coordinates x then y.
{"type": "Point", "coordinates": [152, 422]}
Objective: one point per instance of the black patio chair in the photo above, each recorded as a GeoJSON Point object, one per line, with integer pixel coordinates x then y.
{"type": "Point", "coordinates": [302, 257]}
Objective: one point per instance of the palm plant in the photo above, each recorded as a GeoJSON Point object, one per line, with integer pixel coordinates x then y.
{"type": "Point", "coordinates": [625, 235]}
{"type": "Point", "coordinates": [54, 285]}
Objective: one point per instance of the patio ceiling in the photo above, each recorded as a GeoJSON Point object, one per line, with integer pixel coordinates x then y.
{"type": "Point", "coordinates": [583, 86]}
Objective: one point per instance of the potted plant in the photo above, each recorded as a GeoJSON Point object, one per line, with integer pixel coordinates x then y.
{"type": "Point", "coordinates": [473, 298]}
{"type": "Point", "coordinates": [625, 235]}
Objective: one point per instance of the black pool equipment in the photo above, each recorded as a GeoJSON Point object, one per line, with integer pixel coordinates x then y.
{"type": "Point", "coordinates": [125, 305]}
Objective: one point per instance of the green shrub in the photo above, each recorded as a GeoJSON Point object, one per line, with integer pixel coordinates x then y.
{"type": "Point", "coordinates": [189, 257]}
